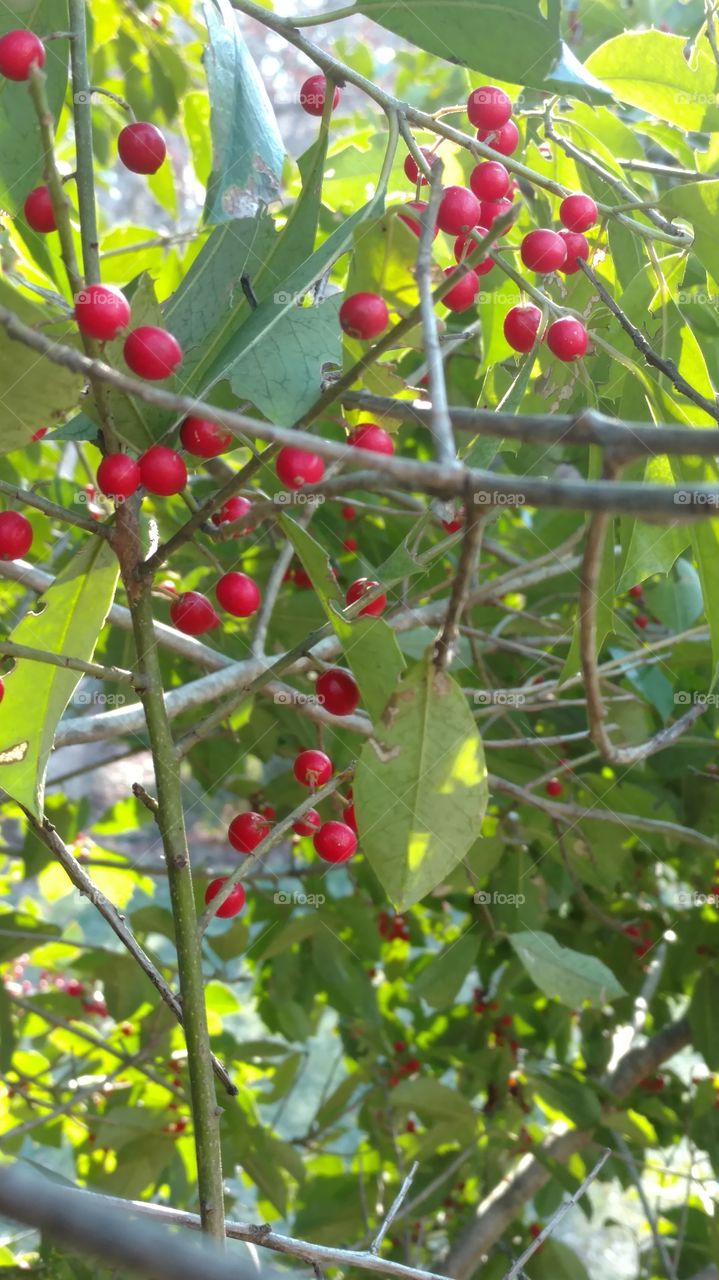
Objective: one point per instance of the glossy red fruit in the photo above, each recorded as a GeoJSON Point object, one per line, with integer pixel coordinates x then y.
{"type": "Point", "coordinates": [335, 842]}
{"type": "Point", "coordinates": [521, 325]}
{"type": "Point", "coordinates": [504, 140]}
{"type": "Point", "coordinates": [465, 246]}
{"type": "Point", "coordinates": [489, 180]}
{"type": "Point", "coordinates": [312, 768]}
{"type": "Point", "coordinates": [246, 831]}
{"type": "Point", "coordinates": [204, 439]}
{"type": "Point", "coordinates": [567, 338]}
{"type": "Point", "coordinates": [543, 251]}
{"type": "Point", "coordinates": [312, 95]}
{"type": "Point", "coordinates": [358, 589]}
{"type": "Point", "coordinates": [462, 295]}
{"type": "Point", "coordinates": [294, 467]}
{"type": "Point", "coordinates": [350, 544]}
{"type": "Point", "coordinates": [2, 690]}
{"type": "Point", "coordinates": [152, 353]}
{"type": "Point", "coordinates": [488, 107]}
{"type": "Point", "coordinates": [577, 247]}
{"type": "Point", "coordinates": [348, 513]}
{"type": "Point", "coordinates": [307, 824]}
{"type": "Point", "coordinates": [141, 147]}
{"type": "Point", "coordinates": [554, 787]}
{"type": "Point", "coordinates": [411, 168]}
{"type": "Point", "coordinates": [641, 621]}
{"type": "Point", "coordinates": [412, 220]}
{"type": "Point", "coordinates": [193, 613]}
{"type": "Point", "coordinates": [490, 210]}
{"type": "Point", "coordinates": [238, 594]}
{"type": "Point", "coordinates": [15, 535]}
{"type": "Point", "coordinates": [635, 592]}
{"type": "Point", "coordinates": [101, 312]}
{"type": "Point", "coordinates": [456, 523]}
{"type": "Point", "coordinates": [371, 437]}
{"type": "Point", "coordinates": [162, 471]}
{"type": "Point", "coordinates": [38, 435]}
{"type": "Point", "coordinates": [348, 816]}
{"type": "Point", "coordinates": [338, 692]}
{"type": "Point", "coordinates": [19, 51]}
{"type": "Point", "coordinates": [118, 476]}
{"type": "Point", "coordinates": [38, 211]}
{"type": "Point", "coordinates": [364, 315]}
{"type": "Point", "coordinates": [578, 213]}
{"type": "Point", "coordinates": [234, 902]}
{"type": "Point", "coordinates": [234, 509]}
{"type": "Point", "coordinates": [458, 211]}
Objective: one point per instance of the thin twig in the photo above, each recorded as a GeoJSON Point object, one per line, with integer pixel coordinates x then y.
{"type": "Point", "coordinates": [556, 1217]}
{"type": "Point", "coordinates": [475, 519]}
{"type": "Point", "coordinates": [441, 425]}
{"type": "Point", "coordinates": [660, 1246]}
{"type": "Point", "coordinates": [394, 1209]}
{"type": "Point", "coordinates": [10, 650]}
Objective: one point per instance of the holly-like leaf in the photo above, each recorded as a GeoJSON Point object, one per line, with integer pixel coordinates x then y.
{"type": "Point", "coordinates": [563, 974]}
{"type": "Point", "coordinates": [20, 155]}
{"type": "Point", "coordinates": [698, 203]}
{"type": "Point", "coordinates": [648, 70]}
{"type": "Point", "coordinates": [284, 378]}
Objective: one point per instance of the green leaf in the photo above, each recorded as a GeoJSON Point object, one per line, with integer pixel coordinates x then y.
{"type": "Point", "coordinates": [16, 930]}
{"type": "Point", "coordinates": [579, 1102]}
{"type": "Point", "coordinates": [648, 70]}
{"type": "Point", "coordinates": [703, 1020]}
{"type": "Point", "coordinates": [247, 150]}
{"type": "Point", "coordinates": [68, 619]}
{"type": "Point", "coordinates": [556, 1261]}
{"type": "Point", "coordinates": [421, 785]}
{"type": "Point", "coordinates": [20, 155]}
{"type": "Point", "coordinates": [440, 980]}
{"type": "Point", "coordinates": [698, 203]}
{"type": "Point", "coordinates": [284, 377]}
{"type": "Point", "coordinates": [677, 601]}
{"type": "Point", "coordinates": [29, 401]}
{"type": "Point", "coordinates": [563, 974]}
{"type": "Point", "coordinates": [295, 931]}
{"type": "Point", "coordinates": [334, 1107]}
{"type": "Point", "coordinates": [433, 1100]}
{"type": "Point", "coordinates": [7, 1030]}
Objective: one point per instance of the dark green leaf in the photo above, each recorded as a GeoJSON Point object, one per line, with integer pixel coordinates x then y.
{"type": "Point", "coordinates": [563, 974]}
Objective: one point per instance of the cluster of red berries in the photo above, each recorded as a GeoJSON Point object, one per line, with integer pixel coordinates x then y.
{"type": "Point", "coordinates": [194, 614]}
{"type": "Point", "coordinates": [641, 935]}
{"type": "Point", "coordinates": [409, 1067]}
{"type": "Point", "coordinates": [102, 312]}
{"type": "Point", "coordinates": [392, 927]}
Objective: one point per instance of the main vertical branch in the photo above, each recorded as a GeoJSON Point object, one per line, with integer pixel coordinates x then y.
{"type": "Point", "coordinates": [82, 116]}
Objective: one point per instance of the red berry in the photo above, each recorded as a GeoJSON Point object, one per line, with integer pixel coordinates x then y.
{"type": "Point", "coordinates": [233, 509]}
{"type": "Point", "coordinates": [307, 824]}
{"type": "Point", "coordinates": [348, 513]}
{"type": "Point", "coordinates": [74, 988]}
{"type": "Point", "coordinates": [193, 613]}
{"type": "Point", "coordinates": [521, 325]}
{"type": "Point", "coordinates": [358, 589]}
{"type": "Point", "coordinates": [578, 213]}
{"type": "Point", "coordinates": [641, 621]}
{"type": "Point", "coordinates": [371, 437]}
{"type": "Point", "coordinates": [489, 180]}
{"type": "Point", "coordinates": [413, 222]}
{"type": "Point", "coordinates": [335, 842]}
{"type": "Point", "coordinates": [635, 593]}
{"type": "Point", "coordinates": [312, 95]}
{"type": "Point", "coordinates": [118, 476]}
{"type": "Point", "coordinates": [364, 315]}
{"type": "Point", "coordinates": [268, 811]}
{"type": "Point", "coordinates": [350, 544]}
{"type": "Point", "coordinates": [490, 210]}
{"type": "Point", "coordinates": [567, 338]}
{"type": "Point", "coordinates": [238, 594]}
{"type": "Point", "coordinates": [462, 295]}
{"type": "Point", "coordinates": [543, 251]}
{"type": "Point", "coordinates": [162, 471]}
{"type": "Point", "coordinates": [204, 439]}
{"type": "Point", "coordinates": [464, 246]}
{"type": "Point", "coordinates": [504, 140]}
{"type": "Point", "coordinates": [554, 787]}
{"type": "Point", "coordinates": [19, 51]}
{"type": "Point", "coordinates": [399, 1046]}
{"type": "Point", "coordinates": [38, 210]}
{"type": "Point", "coordinates": [294, 467]}
{"type": "Point", "coordinates": [101, 311]}
{"type": "Point", "coordinates": [152, 353]}
{"type": "Point", "coordinates": [577, 247]}
{"type": "Point", "coordinates": [412, 1065]}
{"type": "Point", "coordinates": [233, 905]}
{"type": "Point", "coordinates": [631, 931]}
{"type": "Point", "coordinates": [411, 168]}
{"type": "Point", "coordinates": [38, 435]}
{"type": "Point", "coordinates": [488, 107]}
{"type": "Point", "coordinates": [349, 817]}
{"type": "Point", "coordinates": [312, 768]}
{"type": "Point", "coordinates": [458, 211]}
{"type": "Point", "coordinates": [410, 1127]}
{"type": "Point", "coordinates": [15, 535]}
{"type": "Point", "coordinates": [141, 147]}
{"type": "Point", "coordinates": [2, 690]}
{"type": "Point", "coordinates": [246, 831]}
{"type": "Point", "coordinates": [338, 692]}
{"type": "Point", "coordinates": [456, 523]}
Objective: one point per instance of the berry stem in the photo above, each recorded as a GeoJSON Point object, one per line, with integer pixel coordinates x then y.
{"type": "Point", "coordinates": [115, 97]}
{"type": "Point", "coordinates": [82, 117]}
{"type": "Point", "coordinates": [116, 674]}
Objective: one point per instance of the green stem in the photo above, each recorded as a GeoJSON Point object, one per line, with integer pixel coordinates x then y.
{"type": "Point", "coordinates": [332, 15]}
{"type": "Point", "coordinates": [82, 116]}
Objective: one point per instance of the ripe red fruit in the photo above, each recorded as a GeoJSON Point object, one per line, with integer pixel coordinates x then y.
{"type": "Point", "coordinates": [567, 338]}
{"type": "Point", "coordinates": [2, 690]}
{"type": "Point", "coordinates": [152, 353]}
{"type": "Point", "coordinates": [503, 140]}
{"type": "Point", "coordinates": [118, 476]}
{"type": "Point", "coordinates": [578, 213]}
{"type": "Point", "coordinates": [543, 251]}
{"type": "Point", "coordinates": [74, 988]}
{"type": "Point", "coordinates": [489, 180]}
{"type": "Point", "coordinates": [463, 293]}
{"type": "Point", "coordinates": [635, 592]}
{"type": "Point", "coordinates": [490, 210]}
{"type": "Point", "coordinates": [312, 95]}
{"type": "Point", "coordinates": [312, 768]}
{"type": "Point", "coordinates": [464, 246]}
{"type": "Point", "coordinates": [238, 594]}
{"type": "Point", "coordinates": [141, 147]}
{"type": "Point", "coordinates": [162, 471]}
{"type": "Point", "coordinates": [204, 439]}
{"type": "Point", "coordinates": [349, 817]}
{"type": "Point", "coordinates": [307, 824]}
{"type": "Point", "coordinates": [38, 210]}
{"type": "Point", "coordinates": [641, 621]}
{"type": "Point", "coordinates": [19, 51]}
{"type": "Point", "coordinates": [193, 613]}
{"type": "Point", "coordinates": [399, 1046]}
{"type": "Point", "coordinates": [554, 787]}
{"type": "Point", "coordinates": [370, 436]}
{"type": "Point", "coordinates": [411, 168]}
{"type": "Point", "coordinates": [335, 842]}
{"type": "Point", "coordinates": [521, 325]}
{"type": "Point", "coordinates": [358, 589]}
{"type": "Point", "coordinates": [577, 247]}
{"type": "Point", "coordinates": [364, 315]}
{"type": "Point", "coordinates": [294, 467]}
{"type": "Point", "coordinates": [413, 222]}
{"type": "Point", "coordinates": [456, 523]}
{"type": "Point", "coordinates": [488, 107]}
{"type": "Point", "coordinates": [338, 692]}
{"type": "Point", "coordinates": [412, 1065]}
{"type": "Point", "coordinates": [233, 509]}
{"type": "Point", "coordinates": [350, 544]}
{"type": "Point", "coordinates": [15, 535]}
{"type": "Point", "coordinates": [234, 902]}
{"type": "Point", "coordinates": [246, 831]}
{"type": "Point", "coordinates": [458, 211]}
{"type": "Point", "coordinates": [38, 435]}
{"type": "Point", "coordinates": [101, 311]}
{"type": "Point", "coordinates": [348, 513]}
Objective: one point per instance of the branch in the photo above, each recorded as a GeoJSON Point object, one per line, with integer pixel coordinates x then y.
{"type": "Point", "coordinates": [659, 1245]}
{"type": "Point", "coordinates": [82, 118]}
{"type": "Point", "coordinates": [441, 426]}
{"type": "Point", "coordinates": [117, 674]}
{"type": "Point", "coordinates": [51, 509]}
{"type": "Point", "coordinates": [471, 542]}
{"type": "Point", "coordinates": [394, 1209]}
{"type": "Point", "coordinates": [561, 1212]}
